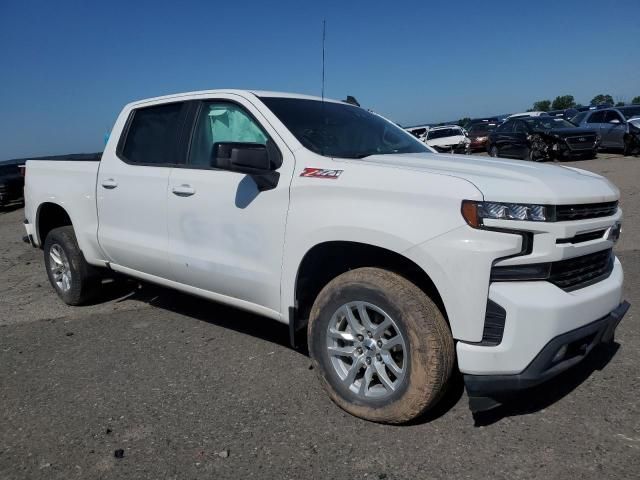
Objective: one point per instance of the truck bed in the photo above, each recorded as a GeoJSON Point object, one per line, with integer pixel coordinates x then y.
{"type": "Point", "coordinates": [67, 182]}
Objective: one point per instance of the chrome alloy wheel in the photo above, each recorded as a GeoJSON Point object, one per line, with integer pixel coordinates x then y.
{"type": "Point", "coordinates": [367, 350]}
{"type": "Point", "coordinates": [60, 268]}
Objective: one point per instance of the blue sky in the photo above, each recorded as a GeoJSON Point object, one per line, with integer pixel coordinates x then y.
{"type": "Point", "coordinates": [68, 67]}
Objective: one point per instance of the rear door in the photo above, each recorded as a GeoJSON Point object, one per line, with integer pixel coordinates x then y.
{"type": "Point", "coordinates": [225, 235]}
{"type": "Point", "coordinates": [613, 129]}
{"type": "Point", "coordinates": [132, 189]}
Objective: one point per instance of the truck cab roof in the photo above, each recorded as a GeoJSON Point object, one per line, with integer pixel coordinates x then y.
{"type": "Point", "coordinates": [240, 92]}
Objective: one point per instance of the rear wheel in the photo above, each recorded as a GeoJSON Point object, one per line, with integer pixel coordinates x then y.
{"type": "Point", "coordinates": [74, 280]}
{"type": "Point", "coordinates": [381, 347]}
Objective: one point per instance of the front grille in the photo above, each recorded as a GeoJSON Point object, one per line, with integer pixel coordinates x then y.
{"type": "Point", "coordinates": [583, 237]}
{"type": "Point", "coordinates": [581, 142]}
{"type": "Point", "coordinates": [582, 271]}
{"type": "Point", "coordinates": [570, 274]}
{"type": "Point", "coordinates": [584, 211]}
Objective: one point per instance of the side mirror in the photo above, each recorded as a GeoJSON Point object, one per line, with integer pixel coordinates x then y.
{"type": "Point", "coordinates": [614, 121]}
{"type": "Point", "coordinates": [254, 159]}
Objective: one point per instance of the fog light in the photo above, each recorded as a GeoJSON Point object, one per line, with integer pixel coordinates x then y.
{"type": "Point", "coordinates": [560, 354]}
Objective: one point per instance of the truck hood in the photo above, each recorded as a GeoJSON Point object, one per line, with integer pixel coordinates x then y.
{"type": "Point", "coordinates": [504, 180]}
{"type": "Point", "coordinates": [567, 132]}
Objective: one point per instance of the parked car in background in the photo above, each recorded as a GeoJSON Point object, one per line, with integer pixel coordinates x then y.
{"type": "Point", "coordinates": [542, 138]}
{"type": "Point", "coordinates": [527, 114]}
{"type": "Point", "coordinates": [632, 137]}
{"type": "Point", "coordinates": [420, 131]}
{"type": "Point", "coordinates": [449, 139]}
{"type": "Point", "coordinates": [630, 112]}
{"type": "Point", "coordinates": [11, 182]}
{"type": "Point", "coordinates": [609, 123]}
{"type": "Point", "coordinates": [479, 135]}
{"type": "Point", "coordinates": [477, 121]}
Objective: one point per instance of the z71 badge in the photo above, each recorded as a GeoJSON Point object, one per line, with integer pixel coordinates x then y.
{"type": "Point", "coordinates": [321, 173]}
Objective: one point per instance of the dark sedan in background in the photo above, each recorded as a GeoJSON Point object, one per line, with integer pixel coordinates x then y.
{"type": "Point", "coordinates": [542, 138]}
{"type": "Point", "coordinates": [11, 183]}
{"type": "Point", "coordinates": [610, 123]}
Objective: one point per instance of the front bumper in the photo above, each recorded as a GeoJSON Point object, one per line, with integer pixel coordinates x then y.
{"type": "Point", "coordinates": [559, 354]}
{"type": "Point", "coordinates": [462, 148]}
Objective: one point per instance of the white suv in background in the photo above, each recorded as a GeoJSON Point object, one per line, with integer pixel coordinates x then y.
{"type": "Point", "coordinates": [448, 139]}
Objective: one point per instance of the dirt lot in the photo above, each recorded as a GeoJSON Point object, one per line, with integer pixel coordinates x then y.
{"type": "Point", "coordinates": [192, 389]}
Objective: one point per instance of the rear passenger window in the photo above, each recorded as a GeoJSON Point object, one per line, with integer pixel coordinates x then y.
{"type": "Point", "coordinates": [152, 137]}
{"type": "Point", "coordinates": [596, 117]}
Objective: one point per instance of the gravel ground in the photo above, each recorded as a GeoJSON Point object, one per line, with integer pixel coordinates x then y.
{"type": "Point", "coordinates": [192, 389]}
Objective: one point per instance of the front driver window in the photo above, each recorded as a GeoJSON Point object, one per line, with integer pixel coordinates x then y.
{"type": "Point", "coordinates": [222, 122]}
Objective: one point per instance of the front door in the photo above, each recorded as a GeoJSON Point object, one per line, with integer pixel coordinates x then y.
{"type": "Point", "coordinates": [226, 236]}
{"type": "Point", "coordinates": [613, 129]}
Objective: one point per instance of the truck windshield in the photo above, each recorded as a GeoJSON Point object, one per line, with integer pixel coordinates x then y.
{"type": "Point", "coordinates": [341, 130]}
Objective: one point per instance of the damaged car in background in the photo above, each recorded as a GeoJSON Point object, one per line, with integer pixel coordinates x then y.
{"type": "Point", "coordinates": [444, 139]}
{"type": "Point", "coordinates": [542, 138]}
{"type": "Point", "coordinates": [632, 138]}
{"type": "Point", "coordinates": [11, 182]}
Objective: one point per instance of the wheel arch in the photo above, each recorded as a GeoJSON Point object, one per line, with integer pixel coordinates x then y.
{"type": "Point", "coordinates": [326, 260]}
{"type": "Point", "coordinates": [50, 215]}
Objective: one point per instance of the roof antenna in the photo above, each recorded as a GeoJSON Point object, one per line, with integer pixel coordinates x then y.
{"type": "Point", "coordinates": [324, 35]}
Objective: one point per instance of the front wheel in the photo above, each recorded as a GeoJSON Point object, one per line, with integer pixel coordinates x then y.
{"type": "Point", "coordinates": [381, 347]}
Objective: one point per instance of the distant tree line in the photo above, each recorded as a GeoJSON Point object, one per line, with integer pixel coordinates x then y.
{"type": "Point", "coordinates": [562, 102]}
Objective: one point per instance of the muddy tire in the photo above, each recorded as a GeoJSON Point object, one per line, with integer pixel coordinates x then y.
{"type": "Point", "coordinates": [394, 336]}
{"type": "Point", "coordinates": [74, 280]}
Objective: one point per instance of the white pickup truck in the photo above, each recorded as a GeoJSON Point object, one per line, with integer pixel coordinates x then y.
{"type": "Point", "coordinates": [401, 264]}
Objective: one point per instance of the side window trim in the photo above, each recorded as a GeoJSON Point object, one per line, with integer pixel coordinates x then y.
{"type": "Point", "coordinates": [199, 105]}
{"type": "Point", "coordinates": [183, 118]}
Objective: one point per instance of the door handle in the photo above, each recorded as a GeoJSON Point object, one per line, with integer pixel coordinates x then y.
{"type": "Point", "coordinates": [109, 184]}
{"type": "Point", "coordinates": [183, 190]}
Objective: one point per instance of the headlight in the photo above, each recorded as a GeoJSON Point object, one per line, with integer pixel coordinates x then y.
{"type": "Point", "coordinates": [480, 139]}
{"type": "Point", "coordinates": [475, 212]}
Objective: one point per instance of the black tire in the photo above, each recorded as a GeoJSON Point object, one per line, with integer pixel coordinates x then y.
{"type": "Point", "coordinates": [84, 278]}
{"type": "Point", "coordinates": [430, 348]}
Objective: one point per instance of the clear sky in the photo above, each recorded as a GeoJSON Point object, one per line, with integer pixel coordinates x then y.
{"type": "Point", "coordinates": [68, 67]}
